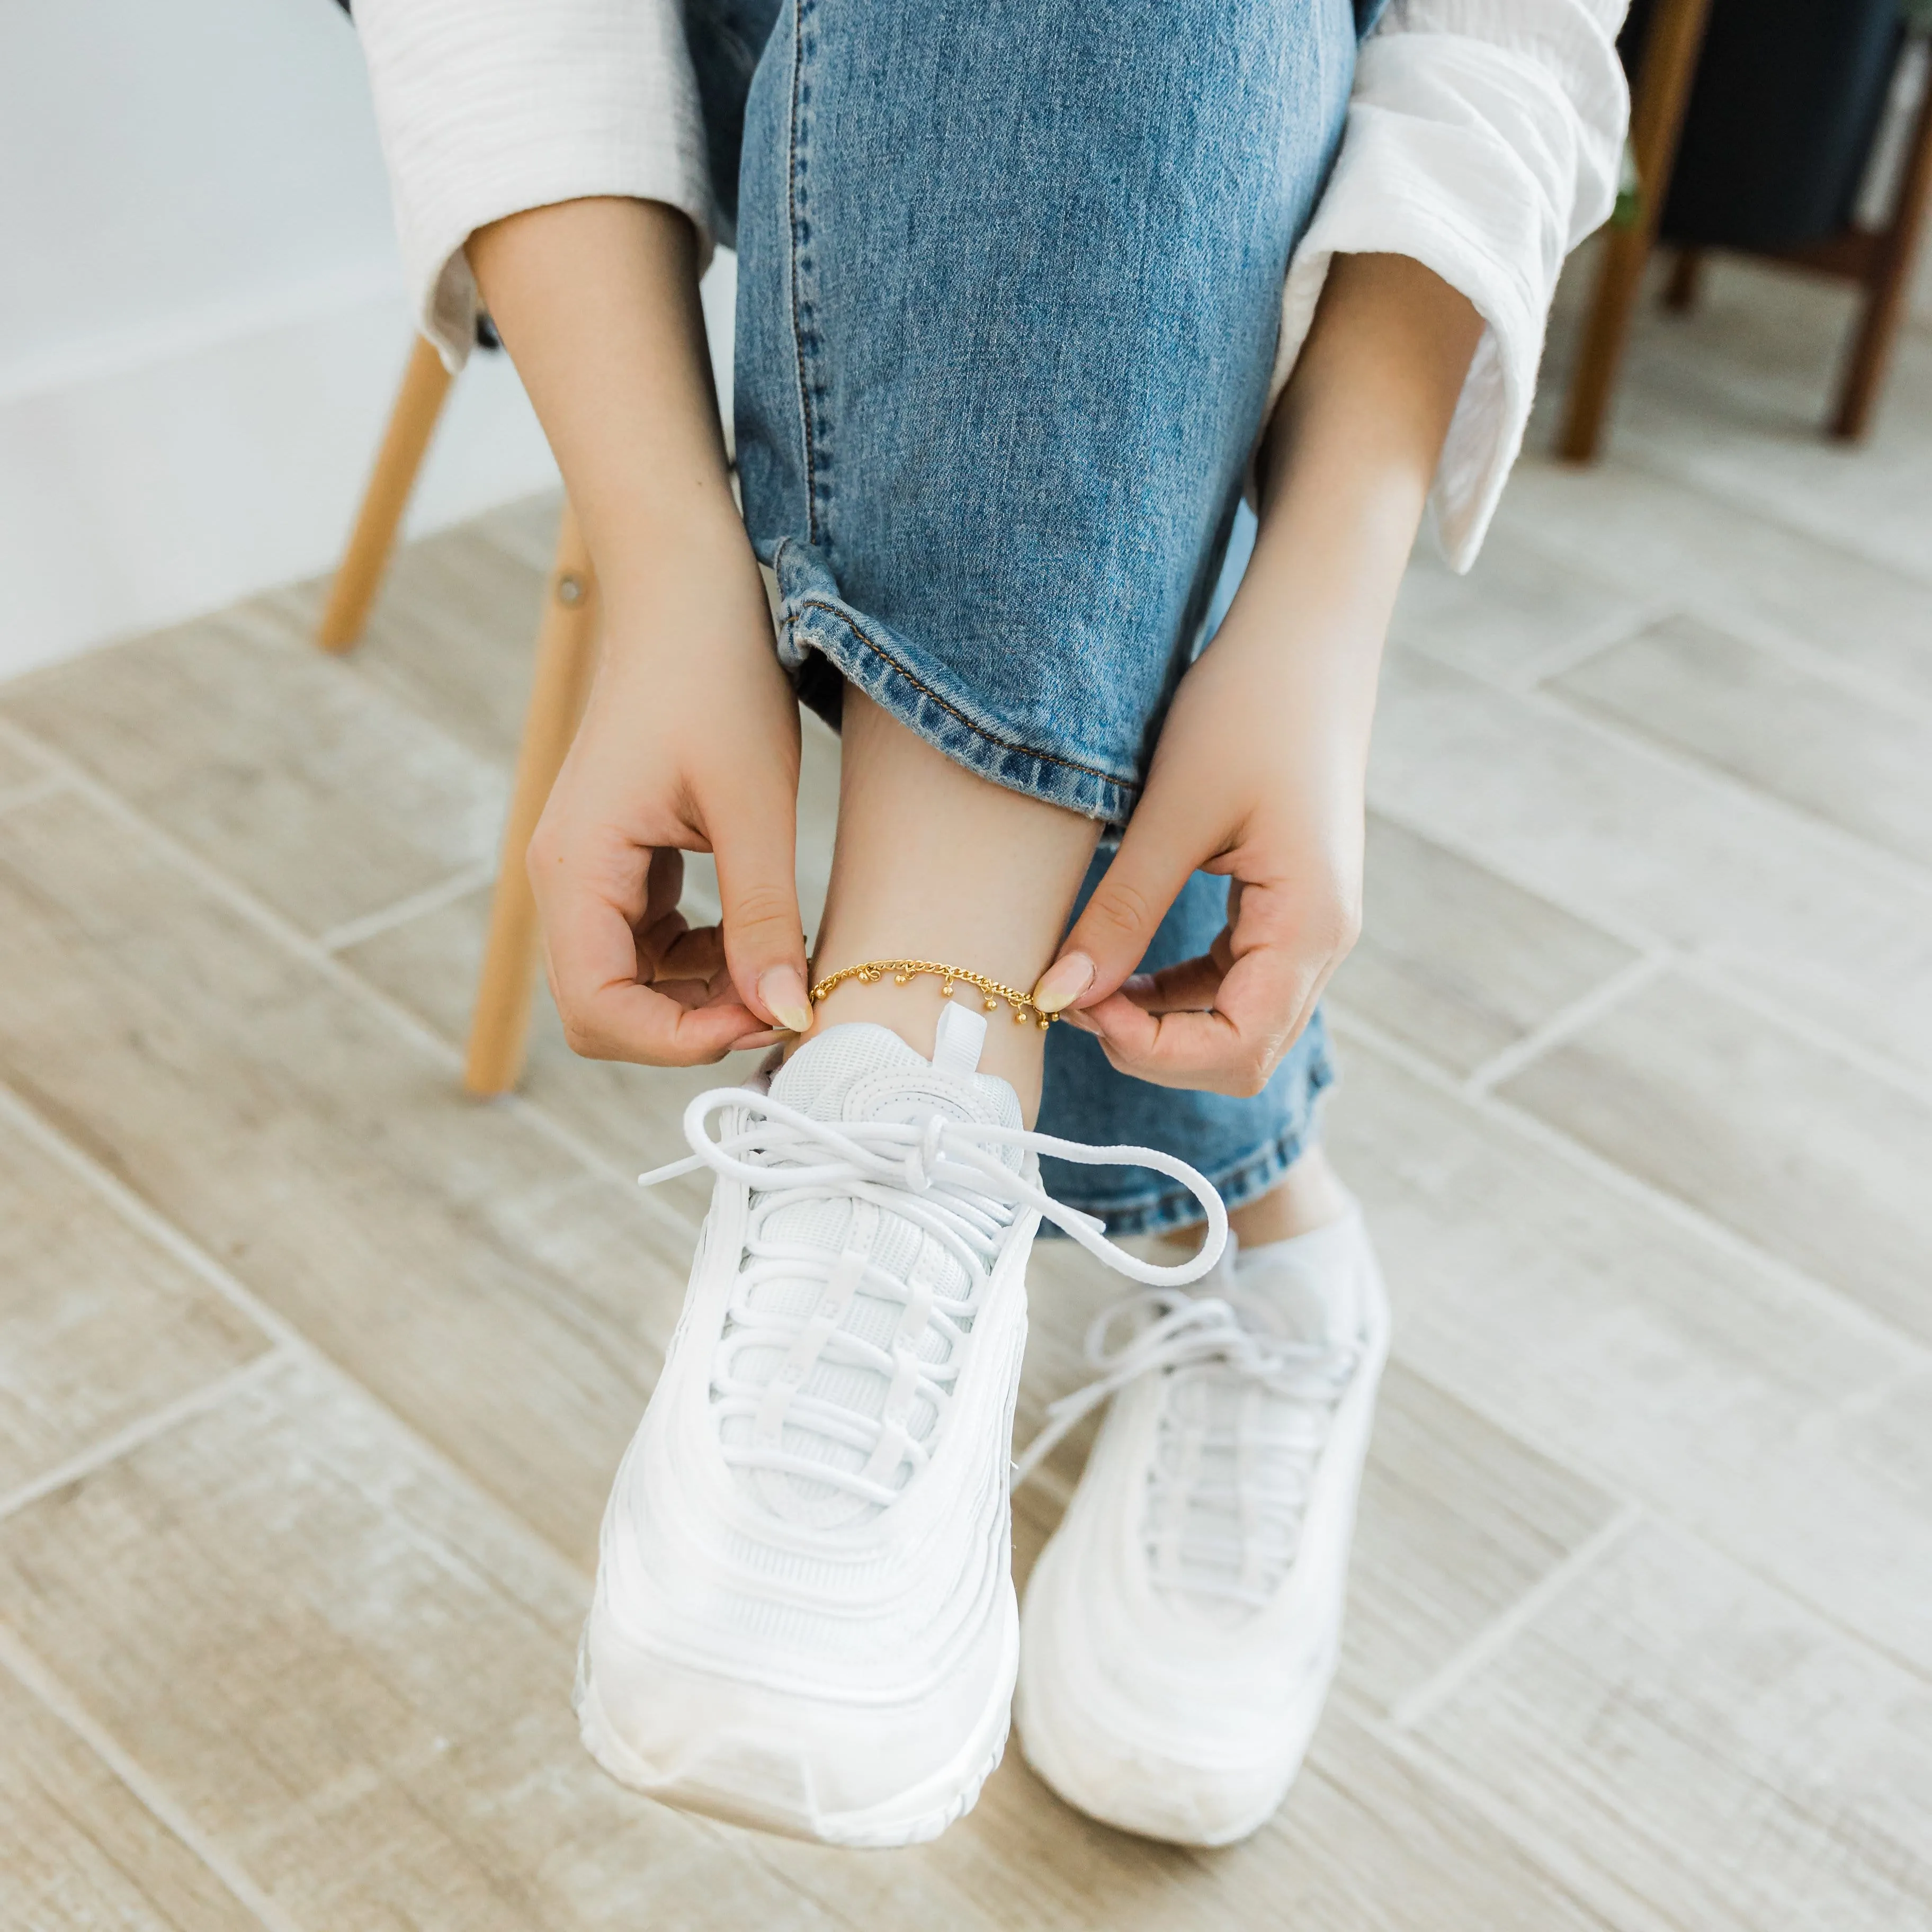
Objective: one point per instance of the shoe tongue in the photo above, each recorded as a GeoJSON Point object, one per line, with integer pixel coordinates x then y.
{"type": "Point", "coordinates": [865, 1072]}
{"type": "Point", "coordinates": [1307, 1288]}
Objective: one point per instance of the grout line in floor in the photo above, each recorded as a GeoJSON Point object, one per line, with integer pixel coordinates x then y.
{"type": "Point", "coordinates": [1570, 551]}
{"type": "Point", "coordinates": [1568, 1021]}
{"type": "Point", "coordinates": [1800, 654]}
{"type": "Point", "coordinates": [145, 1219]}
{"type": "Point", "coordinates": [1637, 466]}
{"type": "Point", "coordinates": [1849, 1313]}
{"type": "Point", "coordinates": [1635, 938]}
{"type": "Point", "coordinates": [1594, 1886]}
{"type": "Point", "coordinates": [1711, 976]}
{"type": "Point", "coordinates": [1649, 455]}
{"type": "Point", "coordinates": [1707, 969]}
{"type": "Point", "coordinates": [1495, 1636]}
{"type": "Point", "coordinates": [1909, 874]}
{"type": "Point", "coordinates": [282, 931]}
{"type": "Point", "coordinates": [290, 1345]}
{"type": "Point", "coordinates": [432, 899]}
{"type": "Point", "coordinates": [211, 1394]}
{"type": "Point", "coordinates": [47, 1690]}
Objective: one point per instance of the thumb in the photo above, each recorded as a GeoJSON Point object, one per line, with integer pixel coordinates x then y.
{"type": "Point", "coordinates": [756, 846]}
{"type": "Point", "coordinates": [1112, 934]}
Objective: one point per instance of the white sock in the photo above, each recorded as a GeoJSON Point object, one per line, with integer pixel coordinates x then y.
{"type": "Point", "coordinates": [1311, 1284]}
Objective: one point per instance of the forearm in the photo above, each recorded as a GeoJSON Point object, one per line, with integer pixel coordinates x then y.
{"type": "Point", "coordinates": [1344, 473]}
{"type": "Point", "coordinates": [597, 302]}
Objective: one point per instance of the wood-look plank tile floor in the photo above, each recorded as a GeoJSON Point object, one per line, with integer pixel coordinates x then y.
{"type": "Point", "coordinates": [313, 1373]}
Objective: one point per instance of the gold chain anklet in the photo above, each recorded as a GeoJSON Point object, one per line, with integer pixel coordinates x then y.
{"type": "Point", "coordinates": [904, 970]}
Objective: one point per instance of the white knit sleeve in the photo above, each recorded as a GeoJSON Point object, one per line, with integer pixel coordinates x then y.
{"type": "Point", "coordinates": [487, 107]}
{"type": "Point", "coordinates": [1483, 140]}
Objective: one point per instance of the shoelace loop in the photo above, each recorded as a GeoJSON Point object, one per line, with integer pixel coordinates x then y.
{"type": "Point", "coordinates": [942, 1175]}
{"type": "Point", "coordinates": [937, 1155]}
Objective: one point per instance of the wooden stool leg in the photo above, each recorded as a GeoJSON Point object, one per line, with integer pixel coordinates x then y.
{"type": "Point", "coordinates": [566, 656]}
{"type": "Point", "coordinates": [412, 422]}
{"type": "Point", "coordinates": [1885, 290]}
{"type": "Point", "coordinates": [1662, 93]}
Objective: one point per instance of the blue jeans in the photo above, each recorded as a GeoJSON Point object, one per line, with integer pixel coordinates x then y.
{"type": "Point", "coordinates": [1010, 283]}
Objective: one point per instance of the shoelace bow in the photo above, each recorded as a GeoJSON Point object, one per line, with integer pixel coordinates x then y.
{"type": "Point", "coordinates": [942, 1175]}
{"type": "Point", "coordinates": [1205, 1335]}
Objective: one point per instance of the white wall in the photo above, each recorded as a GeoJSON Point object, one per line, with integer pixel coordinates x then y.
{"type": "Point", "coordinates": [201, 316]}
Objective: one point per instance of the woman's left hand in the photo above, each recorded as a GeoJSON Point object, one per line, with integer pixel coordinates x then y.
{"type": "Point", "coordinates": [1260, 772]}
{"type": "Point", "coordinates": [1241, 785]}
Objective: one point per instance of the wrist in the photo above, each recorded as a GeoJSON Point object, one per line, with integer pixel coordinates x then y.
{"type": "Point", "coordinates": [662, 578]}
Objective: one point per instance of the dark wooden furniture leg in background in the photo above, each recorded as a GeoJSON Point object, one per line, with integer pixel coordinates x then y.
{"type": "Point", "coordinates": [1888, 281]}
{"type": "Point", "coordinates": [1657, 119]}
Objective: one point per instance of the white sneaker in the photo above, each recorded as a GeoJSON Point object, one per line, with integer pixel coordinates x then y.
{"type": "Point", "coordinates": [804, 1618]}
{"type": "Point", "coordinates": [1182, 1626]}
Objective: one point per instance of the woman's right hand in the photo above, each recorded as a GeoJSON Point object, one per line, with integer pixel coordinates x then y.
{"type": "Point", "coordinates": [690, 743]}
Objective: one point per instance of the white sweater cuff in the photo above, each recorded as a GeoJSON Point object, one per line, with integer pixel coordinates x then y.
{"type": "Point", "coordinates": [454, 81]}
{"type": "Point", "coordinates": [1462, 156]}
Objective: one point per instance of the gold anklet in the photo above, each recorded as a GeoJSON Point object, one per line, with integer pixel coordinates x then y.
{"type": "Point", "coordinates": [902, 971]}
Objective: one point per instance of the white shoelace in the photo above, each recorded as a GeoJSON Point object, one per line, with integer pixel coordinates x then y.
{"type": "Point", "coordinates": [942, 1176]}
{"type": "Point", "coordinates": [1203, 1339]}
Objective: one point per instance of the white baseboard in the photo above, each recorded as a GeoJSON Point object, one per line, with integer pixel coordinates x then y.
{"type": "Point", "coordinates": [153, 481]}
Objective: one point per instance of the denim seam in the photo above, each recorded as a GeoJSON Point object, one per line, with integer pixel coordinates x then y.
{"type": "Point", "coordinates": [953, 710]}
{"type": "Point", "coordinates": [799, 8]}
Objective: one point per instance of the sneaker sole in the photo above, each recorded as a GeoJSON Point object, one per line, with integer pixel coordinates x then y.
{"type": "Point", "coordinates": [1176, 1803]}
{"type": "Point", "coordinates": [742, 1782]}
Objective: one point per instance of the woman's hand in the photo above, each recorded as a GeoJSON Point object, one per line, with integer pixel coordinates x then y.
{"type": "Point", "coordinates": [1260, 772]}
{"type": "Point", "coordinates": [690, 741]}
{"type": "Point", "coordinates": [1245, 783]}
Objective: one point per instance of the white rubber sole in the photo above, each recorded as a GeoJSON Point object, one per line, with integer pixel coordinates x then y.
{"type": "Point", "coordinates": [737, 1776]}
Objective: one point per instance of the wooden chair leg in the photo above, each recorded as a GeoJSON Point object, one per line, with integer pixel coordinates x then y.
{"type": "Point", "coordinates": [566, 656]}
{"type": "Point", "coordinates": [412, 422]}
{"type": "Point", "coordinates": [1886, 288]}
{"type": "Point", "coordinates": [1662, 93]}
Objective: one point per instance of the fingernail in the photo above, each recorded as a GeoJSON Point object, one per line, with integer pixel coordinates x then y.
{"type": "Point", "coordinates": [1063, 982]}
{"type": "Point", "coordinates": [771, 1037]}
{"type": "Point", "coordinates": [782, 989]}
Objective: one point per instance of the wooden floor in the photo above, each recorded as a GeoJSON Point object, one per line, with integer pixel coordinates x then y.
{"type": "Point", "coordinates": [312, 1374]}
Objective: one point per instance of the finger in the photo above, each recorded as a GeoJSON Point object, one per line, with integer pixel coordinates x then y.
{"type": "Point", "coordinates": [591, 954]}
{"type": "Point", "coordinates": [697, 953]}
{"type": "Point", "coordinates": [1191, 986]}
{"type": "Point", "coordinates": [1158, 854]}
{"type": "Point", "coordinates": [663, 886]}
{"type": "Point", "coordinates": [755, 839]}
{"type": "Point", "coordinates": [1232, 1048]}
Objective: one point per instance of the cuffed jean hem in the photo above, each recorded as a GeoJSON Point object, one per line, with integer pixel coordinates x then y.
{"type": "Point", "coordinates": [814, 622]}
